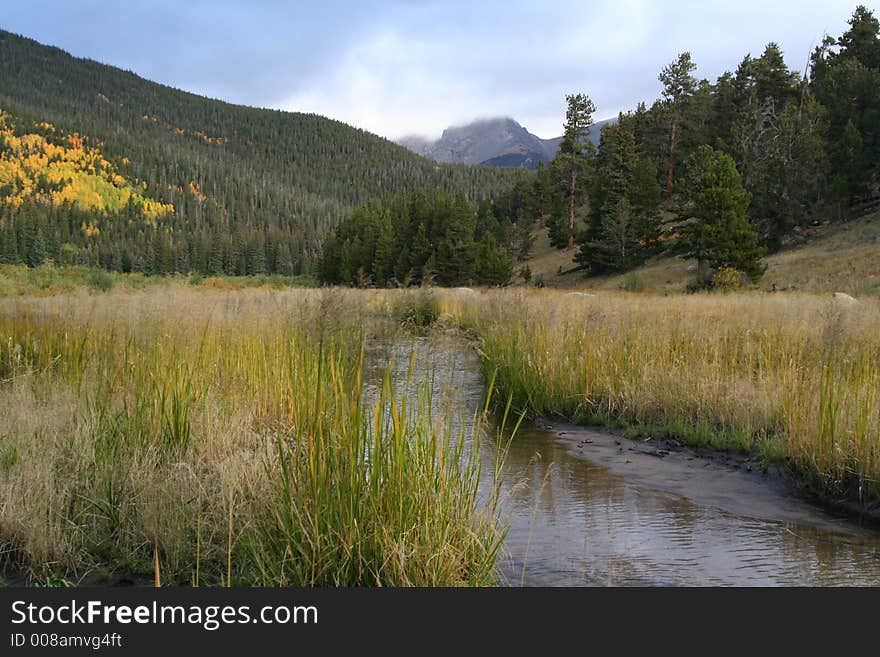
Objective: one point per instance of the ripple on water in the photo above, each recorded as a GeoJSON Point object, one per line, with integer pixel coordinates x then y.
{"type": "Point", "coordinates": [576, 523]}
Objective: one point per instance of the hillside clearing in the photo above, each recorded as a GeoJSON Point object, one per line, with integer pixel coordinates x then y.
{"type": "Point", "coordinates": [842, 257]}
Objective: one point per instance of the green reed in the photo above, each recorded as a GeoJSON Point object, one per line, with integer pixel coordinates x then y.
{"type": "Point", "coordinates": [193, 436]}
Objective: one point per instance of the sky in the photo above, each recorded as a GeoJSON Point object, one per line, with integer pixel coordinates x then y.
{"type": "Point", "coordinates": [397, 67]}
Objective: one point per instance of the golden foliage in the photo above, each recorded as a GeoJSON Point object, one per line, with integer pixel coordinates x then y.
{"type": "Point", "coordinates": [208, 139]}
{"type": "Point", "coordinates": [196, 192]}
{"type": "Point", "coordinates": [67, 171]}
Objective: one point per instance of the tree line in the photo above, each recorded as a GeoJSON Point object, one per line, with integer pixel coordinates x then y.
{"type": "Point", "coordinates": [719, 171]}
{"type": "Point", "coordinates": [427, 236]}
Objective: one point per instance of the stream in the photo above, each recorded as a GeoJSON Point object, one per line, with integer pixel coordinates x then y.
{"type": "Point", "coordinates": [585, 507]}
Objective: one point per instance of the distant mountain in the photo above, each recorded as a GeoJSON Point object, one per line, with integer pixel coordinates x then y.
{"type": "Point", "coordinates": [495, 142]}
{"type": "Point", "coordinates": [416, 144]}
{"type": "Point", "coordinates": [528, 160]}
{"type": "Point", "coordinates": [499, 142]}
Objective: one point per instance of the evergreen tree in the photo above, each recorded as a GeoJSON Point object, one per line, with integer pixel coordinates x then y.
{"type": "Point", "coordinates": [574, 157]}
{"type": "Point", "coordinates": [421, 238]}
{"type": "Point", "coordinates": [216, 258]}
{"type": "Point", "coordinates": [618, 240]}
{"type": "Point", "coordinates": [454, 255]}
{"type": "Point", "coordinates": [852, 164]}
{"type": "Point", "coordinates": [36, 254]}
{"type": "Point", "coordinates": [781, 154]}
{"type": "Point", "coordinates": [625, 202]}
{"type": "Point", "coordinates": [860, 41]}
{"type": "Point", "coordinates": [420, 255]}
{"type": "Point", "coordinates": [256, 256]}
{"type": "Point", "coordinates": [537, 197]}
{"type": "Point", "coordinates": [720, 234]}
{"type": "Point", "coordinates": [772, 79]}
{"type": "Point", "coordinates": [9, 254]}
{"type": "Point", "coordinates": [726, 106]}
{"type": "Point", "coordinates": [845, 78]}
{"type": "Point", "coordinates": [678, 86]}
{"type": "Point", "coordinates": [522, 240]}
{"type": "Point", "coordinates": [644, 194]}
{"type": "Point", "coordinates": [383, 263]}
{"type": "Point", "coordinates": [495, 266]}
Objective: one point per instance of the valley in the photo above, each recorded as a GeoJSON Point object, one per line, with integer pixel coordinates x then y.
{"type": "Point", "coordinates": [254, 347]}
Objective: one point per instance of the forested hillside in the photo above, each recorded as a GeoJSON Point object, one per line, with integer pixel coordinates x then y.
{"type": "Point", "coordinates": [101, 167]}
{"type": "Point", "coordinates": [725, 171]}
{"type": "Point", "coordinates": [426, 237]}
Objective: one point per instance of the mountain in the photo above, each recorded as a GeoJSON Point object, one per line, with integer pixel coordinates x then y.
{"type": "Point", "coordinates": [497, 142]}
{"type": "Point", "coordinates": [483, 141]}
{"type": "Point", "coordinates": [101, 167]}
{"type": "Point", "coordinates": [417, 144]}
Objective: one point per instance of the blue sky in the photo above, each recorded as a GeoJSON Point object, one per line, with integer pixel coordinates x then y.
{"type": "Point", "coordinates": [399, 67]}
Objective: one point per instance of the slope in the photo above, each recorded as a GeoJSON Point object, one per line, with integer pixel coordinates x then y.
{"type": "Point", "coordinates": [252, 190]}
{"type": "Point", "coordinates": [835, 257]}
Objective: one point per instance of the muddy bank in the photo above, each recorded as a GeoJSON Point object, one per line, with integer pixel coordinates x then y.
{"type": "Point", "coordinates": [737, 483]}
{"type": "Point", "coordinates": [583, 510]}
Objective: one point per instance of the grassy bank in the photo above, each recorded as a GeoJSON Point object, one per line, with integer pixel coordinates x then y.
{"type": "Point", "coordinates": [794, 377]}
{"type": "Point", "coordinates": [196, 436]}
{"type": "Point", "coordinates": [209, 436]}
{"type": "Point", "coordinates": [49, 280]}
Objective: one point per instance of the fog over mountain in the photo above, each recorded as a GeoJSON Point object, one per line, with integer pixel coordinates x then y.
{"type": "Point", "coordinates": [499, 141]}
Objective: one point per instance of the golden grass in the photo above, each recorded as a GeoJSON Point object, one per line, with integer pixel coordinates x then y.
{"type": "Point", "coordinates": [843, 257]}
{"type": "Point", "coordinates": [222, 438]}
{"type": "Point", "coordinates": [839, 257]}
{"type": "Point", "coordinates": [794, 376]}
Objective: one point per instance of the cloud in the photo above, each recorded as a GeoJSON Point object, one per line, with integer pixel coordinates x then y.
{"type": "Point", "coordinates": [396, 67]}
{"type": "Point", "coordinates": [391, 84]}
{"type": "Point", "coordinates": [431, 66]}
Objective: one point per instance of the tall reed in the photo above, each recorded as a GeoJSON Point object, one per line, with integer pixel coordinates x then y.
{"type": "Point", "coordinates": [223, 438]}
{"type": "Point", "coordinates": [795, 377]}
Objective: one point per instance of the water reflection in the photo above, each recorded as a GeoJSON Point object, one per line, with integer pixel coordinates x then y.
{"type": "Point", "coordinates": [573, 522]}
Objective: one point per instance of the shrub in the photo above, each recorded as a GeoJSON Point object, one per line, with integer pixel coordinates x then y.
{"type": "Point", "coordinates": [633, 283]}
{"type": "Point", "coordinates": [43, 276]}
{"type": "Point", "coordinates": [416, 310]}
{"type": "Point", "coordinates": [727, 279]}
{"type": "Point", "coordinates": [98, 279]}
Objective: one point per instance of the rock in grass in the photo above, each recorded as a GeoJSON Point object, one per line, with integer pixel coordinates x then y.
{"type": "Point", "coordinates": [844, 299]}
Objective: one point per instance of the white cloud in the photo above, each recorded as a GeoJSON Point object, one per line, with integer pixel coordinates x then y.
{"type": "Point", "coordinates": [403, 66]}
{"type": "Point", "coordinates": [428, 66]}
{"type": "Point", "coordinates": [390, 84]}
{"type": "Point", "coordinates": [400, 82]}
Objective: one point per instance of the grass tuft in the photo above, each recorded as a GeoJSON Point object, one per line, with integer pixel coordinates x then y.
{"type": "Point", "coordinates": [184, 435]}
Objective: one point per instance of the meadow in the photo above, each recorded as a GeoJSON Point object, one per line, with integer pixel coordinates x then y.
{"type": "Point", "coordinates": [793, 377]}
{"type": "Point", "coordinates": [184, 434]}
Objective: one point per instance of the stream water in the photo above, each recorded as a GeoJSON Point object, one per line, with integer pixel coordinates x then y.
{"type": "Point", "coordinates": [585, 507]}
